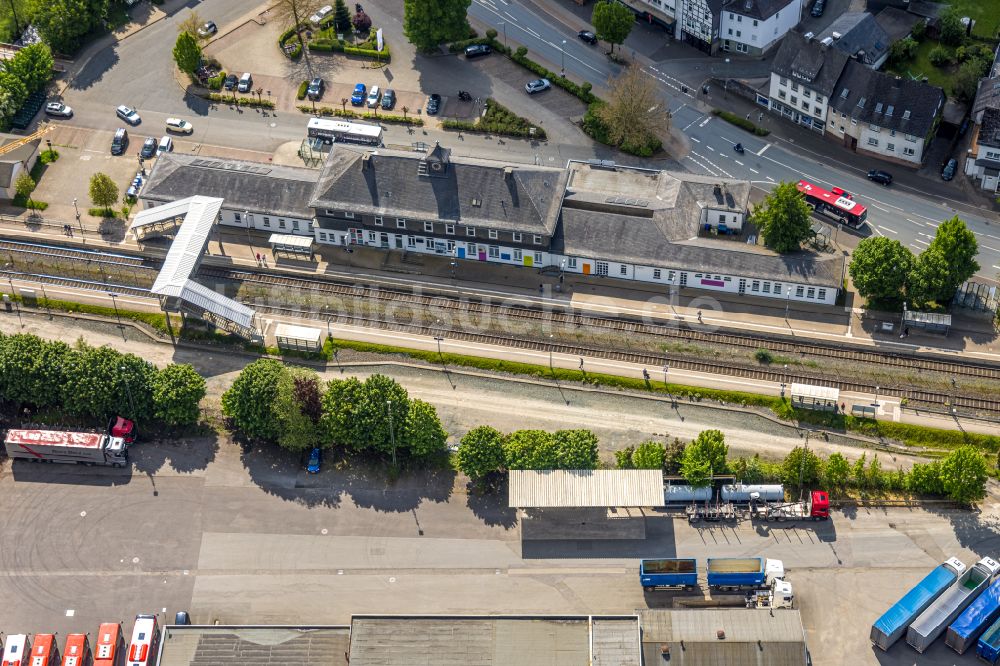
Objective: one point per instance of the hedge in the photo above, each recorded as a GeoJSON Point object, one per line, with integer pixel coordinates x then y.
{"type": "Point", "coordinates": [498, 119]}
{"type": "Point", "coordinates": [301, 94]}
{"type": "Point", "coordinates": [741, 122]}
{"type": "Point", "coordinates": [215, 82]}
{"type": "Point", "coordinates": [328, 45]}
{"type": "Point", "coordinates": [241, 101]}
{"type": "Point", "coordinates": [385, 117]}
{"type": "Point", "coordinates": [295, 53]}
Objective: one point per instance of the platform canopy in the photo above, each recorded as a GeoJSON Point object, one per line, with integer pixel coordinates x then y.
{"type": "Point", "coordinates": [576, 488]}
{"type": "Point", "coordinates": [291, 243]}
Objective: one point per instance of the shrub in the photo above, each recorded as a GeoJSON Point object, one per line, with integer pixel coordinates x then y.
{"type": "Point", "coordinates": [763, 356]}
{"type": "Point", "coordinates": [498, 120]}
{"type": "Point", "coordinates": [382, 117]}
{"type": "Point", "coordinates": [741, 122]}
{"type": "Point", "coordinates": [521, 52]}
{"type": "Point", "coordinates": [242, 101]}
{"type": "Point", "coordinates": [301, 94]}
{"type": "Point", "coordinates": [919, 30]}
{"type": "Point", "coordinates": [296, 51]}
{"type": "Point", "coordinates": [215, 82]}
{"type": "Point", "coordinates": [939, 56]}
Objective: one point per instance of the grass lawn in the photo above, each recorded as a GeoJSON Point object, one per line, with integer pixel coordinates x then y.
{"type": "Point", "coordinates": [985, 12]}
{"type": "Point", "coordinates": [921, 66]}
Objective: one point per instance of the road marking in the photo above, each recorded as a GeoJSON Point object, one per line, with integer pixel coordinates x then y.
{"type": "Point", "coordinates": [996, 267]}
{"type": "Point", "coordinates": [705, 121]}
{"type": "Point", "coordinates": [710, 148]}
{"type": "Point", "coordinates": [715, 166]}
{"type": "Point", "coordinates": [691, 123]}
{"type": "Point", "coordinates": [913, 221]}
{"type": "Point", "coordinates": [738, 162]}
{"type": "Point", "coordinates": [917, 240]}
{"type": "Point", "coordinates": [696, 140]}
{"type": "Point", "coordinates": [875, 205]}
{"type": "Point", "coordinates": [886, 229]}
{"type": "Point", "coordinates": [761, 151]}
{"type": "Point", "coordinates": [532, 33]}
{"type": "Point", "coordinates": [770, 179]}
{"type": "Point", "coordinates": [511, 17]}
{"type": "Point", "coordinates": [990, 248]}
{"type": "Point", "coordinates": [703, 166]}
{"type": "Point", "coordinates": [754, 170]}
{"type": "Point", "coordinates": [878, 233]}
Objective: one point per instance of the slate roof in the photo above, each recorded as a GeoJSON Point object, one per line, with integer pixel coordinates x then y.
{"type": "Point", "coordinates": [253, 186]}
{"type": "Point", "coordinates": [896, 22]}
{"type": "Point", "coordinates": [664, 233]}
{"type": "Point", "coordinates": [887, 99]}
{"type": "Point", "coordinates": [758, 9]}
{"type": "Point", "coordinates": [809, 62]}
{"type": "Point", "coordinates": [988, 94]}
{"type": "Point", "coordinates": [477, 192]}
{"type": "Point", "coordinates": [989, 129]}
{"type": "Point", "coordinates": [859, 31]}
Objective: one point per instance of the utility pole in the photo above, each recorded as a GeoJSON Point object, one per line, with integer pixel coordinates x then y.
{"type": "Point", "coordinates": [121, 327]}
{"type": "Point", "coordinates": [392, 434]}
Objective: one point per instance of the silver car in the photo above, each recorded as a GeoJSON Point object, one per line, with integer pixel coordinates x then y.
{"type": "Point", "coordinates": [538, 85]}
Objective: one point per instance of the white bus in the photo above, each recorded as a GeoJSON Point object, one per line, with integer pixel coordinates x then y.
{"type": "Point", "coordinates": [344, 132]}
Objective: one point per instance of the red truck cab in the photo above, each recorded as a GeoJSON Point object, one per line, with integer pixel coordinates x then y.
{"type": "Point", "coordinates": [77, 651]}
{"type": "Point", "coordinates": [44, 651]}
{"type": "Point", "coordinates": [122, 427]}
{"type": "Point", "coordinates": [819, 504]}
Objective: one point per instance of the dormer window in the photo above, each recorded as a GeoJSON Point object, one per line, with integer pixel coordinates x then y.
{"type": "Point", "coordinates": [906, 114]}
{"type": "Point", "coordinates": [878, 108]}
{"type": "Point", "coordinates": [844, 93]}
{"type": "Point", "coordinates": [477, 203]}
{"type": "Point", "coordinates": [861, 102]}
{"type": "Point", "coordinates": [888, 111]}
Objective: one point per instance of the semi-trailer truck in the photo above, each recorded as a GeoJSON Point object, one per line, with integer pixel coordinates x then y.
{"type": "Point", "coordinates": [980, 614]}
{"type": "Point", "coordinates": [743, 572]}
{"type": "Point", "coordinates": [935, 619]}
{"type": "Point", "coordinates": [673, 572]}
{"type": "Point", "coordinates": [86, 448]}
{"type": "Point", "coordinates": [815, 507]}
{"type": "Point", "coordinates": [893, 624]}
{"type": "Point", "coordinates": [988, 645]}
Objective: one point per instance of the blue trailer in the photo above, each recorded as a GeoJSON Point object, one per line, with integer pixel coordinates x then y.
{"type": "Point", "coordinates": [893, 624]}
{"type": "Point", "coordinates": [668, 573]}
{"type": "Point", "coordinates": [988, 647]}
{"type": "Point", "coordinates": [743, 572]}
{"type": "Point", "coordinates": [983, 612]}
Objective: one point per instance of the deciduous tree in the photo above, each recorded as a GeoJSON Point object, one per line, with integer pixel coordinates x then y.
{"type": "Point", "coordinates": [836, 472]}
{"type": "Point", "coordinates": [963, 475]}
{"type": "Point", "coordinates": [13, 92]}
{"type": "Point", "coordinates": [634, 115]}
{"type": "Point", "coordinates": [649, 455]}
{"type": "Point", "coordinates": [357, 414]}
{"type": "Point", "coordinates": [428, 23]}
{"type": "Point", "coordinates": [481, 453]}
{"type": "Point", "coordinates": [576, 449]}
{"type": "Point", "coordinates": [297, 389]}
{"type": "Point", "coordinates": [32, 370]}
{"type": "Point", "coordinates": [612, 22]}
{"type": "Point", "coordinates": [32, 64]}
{"type": "Point", "coordinates": [530, 449]}
{"type": "Point", "coordinates": [24, 186]}
{"type": "Point", "coordinates": [190, 24]}
{"type": "Point", "coordinates": [672, 456]}
{"type": "Point", "coordinates": [424, 435]}
{"type": "Point", "coordinates": [362, 22]}
{"type": "Point", "coordinates": [783, 218]}
{"type": "Point", "coordinates": [64, 23]}
{"type": "Point", "coordinates": [946, 263]}
{"type": "Point", "coordinates": [801, 463]}
{"type": "Point", "coordinates": [295, 14]}
{"type": "Point", "coordinates": [177, 392]}
{"type": "Point", "coordinates": [880, 268]}
{"type": "Point", "coordinates": [712, 445]}
{"type": "Point", "coordinates": [250, 401]}
{"type": "Point", "coordinates": [101, 382]}
{"type": "Point", "coordinates": [103, 191]}
{"type": "Point", "coordinates": [951, 28]}
{"type": "Point", "coordinates": [696, 467]}
{"type": "Point", "coordinates": [187, 53]}
{"type": "Point", "coordinates": [623, 458]}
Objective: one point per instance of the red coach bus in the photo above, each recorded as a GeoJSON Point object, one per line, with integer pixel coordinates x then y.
{"type": "Point", "coordinates": [837, 204]}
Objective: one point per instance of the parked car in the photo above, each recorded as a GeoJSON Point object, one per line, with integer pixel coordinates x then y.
{"type": "Point", "coordinates": [818, 8]}
{"type": "Point", "coordinates": [476, 50]}
{"type": "Point", "coordinates": [587, 36]}
{"type": "Point", "coordinates": [315, 88]}
{"type": "Point", "coordinates": [246, 83]}
{"type": "Point", "coordinates": [165, 146]}
{"type": "Point", "coordinates": [148, 148]}
{"type": "Point", "coordinates": [179, 126]}
{"type": "Point", "coordinates": [321, 14]}
{"type": "Point", "coordinates": [881, 177]}
{"type": "Point", "coordinates": [374, 95]}
{"type": "Point", "coordinates": [315, 460]}
{"type": "Point", "coordinates": [208, 29]}
{"type": "Point", "coordinates": [230, 82]}
{"type": "Point", "coordinates": [388, 99]}
{"type": "Point", "coordinates": [358, 96]}
{"type": "Point", "coordinates": [538, 85]}
{"type": "Point", "coordinates": [433, 104]}
{"type": "Point", "coordinates": [119, 142]}
{"type": "Point", "coordinates": [949, 169]}
{"type": "Point", "coordinates": [128, 114]}
{"type": "Point", "coordinates": [58, 109]}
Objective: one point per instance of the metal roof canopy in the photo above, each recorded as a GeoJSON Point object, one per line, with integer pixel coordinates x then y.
{"type": "Point", "coordinates": [301, 333]}
{"type": "Point", "coordinates": [812, 392]}
{"type": "Point", "coordinates": [585, 488]}
{"type": "Point", "coordinates": [186, 251]}
{"type": "Point", "coordinates": [290, 242]}
{"type": "Point", "coordinates": [929, 321]}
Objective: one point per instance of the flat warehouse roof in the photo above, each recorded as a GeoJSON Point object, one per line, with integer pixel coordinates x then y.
{"type": "Point", "coordinates": [585, 488]}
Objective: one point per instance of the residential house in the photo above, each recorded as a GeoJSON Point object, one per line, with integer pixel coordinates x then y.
{"type": "Point", "coordinates": [897, 23]}
{"type": "Point", "coordinates": [988, 94]}
{"type": "Point", "coordinates": [983, 161]}
{"type": "Point", "coordinates": [804, 73]}
{"type": "Point", "coordinates": [884, 116]}
{"type": "Point", "coordinates": [860, 36]}
{"type": "Point", "coordinates": [700, 21]}
{"type": "Point", "coordinates": [755, 26]}
{"type": "Point", "coordinates": [14, 163]}
{"type": "Point", "coordinates": [266, 197]}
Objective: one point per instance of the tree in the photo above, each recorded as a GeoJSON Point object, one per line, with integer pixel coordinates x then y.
{"type": "Point", "coordinates": [612, 22]}
{"type": "Point", "coordinates": [672, 457]}
{"type": "Point", "coordinates": [296, 14]}
{"type": "Point", "coordinates": [191, 23]}
{"type": "Point", "coordinates": [296, 407]}
{"type": "Point", "coordinates": [101, 382]}
{"type": "Point", "coordinates": [530, 449]}
{"type": "Point", "coordinates": [712, 445]}
{"type": "Point", "coordinates": [649, 455]}
{"type": "Point", "coordinates": [951, 28]}
{"type": "Point", "coordinates": [340, 403]}
{"type": "Point", "coordinates": [925, 479]}
{"type": "Point", "coordinates": [32, 370]}
{"type": "Point", "coordinates": [341, 17]}
{"type": "Point", "coordinates": [903, 50]}
{"type": "Point", "coordinates": [801, 463]}
{"type": "Point", "coordinates": [357, 414]}
{"type": "Point", "coordinates": [177, 392]}
{"type": "Point", "coordinates": [103, 191]}
{"type": "Point", "coordinates": [635, 115]}
{"type": "Point", "coordinates": [481, 453]}
{"type": "Point", "coordinates": [63, 23]}
{"type": "Point", "coordinates": [424, 435]}
{"type": "Point", "coordinates": [696, 466]}
{"type": "Point", "coordinates": [13, 92]}
{"type": "Point", "coordinates": [187, 53]}
{"type": "Point", "coordinates": [963, 475]}
{"type": "Point", "coordinates": [24, 186]}
{"type": "Point", "coordinates": [966, 81]}
{"type": "Point", "coordinates": [783, 218]}
{"type": "Point", "coordinates": [859, 474]}
{"type": "Point", "coordinates": [947, 262]}
{"type": "Point", "coordinates": [362, 22]}
{"type": "Point", "coordinates": [32, 64]}
{"type": "Point", "coordinates": [623, 458]}
{"type": "Point", "coordinates": [836, 472]}
{"type": "Point", "coordinates": [428, 23]}
{"type": "Point", "coordinates": [576, 449]}
{"type": "Point", "coordinates": [250, 401]}
{"type": "Point", "coordinates": [880, 268]}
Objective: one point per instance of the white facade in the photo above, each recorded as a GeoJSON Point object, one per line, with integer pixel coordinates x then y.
{"type": "Point", "coordinates": [989, 177]}
{"type": "Point", "coordinates": [784, 290]}
{"type": "Point", "coordinates": [876, 140]}
{"type": "Point", "coordinates": [798, 102]}
{"type": "Point", "coordinates": [744, 34]}
{"type": "Point", "coordinates": [697, 20]}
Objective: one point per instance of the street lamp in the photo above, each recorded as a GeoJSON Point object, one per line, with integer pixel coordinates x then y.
{"type": "Point", "coordinates": [246, 216]}
{"type": "Point", "coordinates": [551, 369]}
{"type": "Point", "coordinates": [115, 304]}
{"type": "Point", "coordinates": [876, 397]}
{"type": "Point", "coordinates": [78, 222]}
{"type": "Point", "coordinates": [16, 304]}
{"type": "Point", "coordinates": [788, 296]}
{"type": "Point", "coordinates": [562, 66]}
{"type": "Point", "coordinates": [392, 434]}
{"type": "Point", "coordinates": [902, 322]}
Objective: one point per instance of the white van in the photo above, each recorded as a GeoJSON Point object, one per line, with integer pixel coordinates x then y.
{"type": "Point", "coordinates": [374, 95]}
{"type": "Point", "coordinates": [165, 145]}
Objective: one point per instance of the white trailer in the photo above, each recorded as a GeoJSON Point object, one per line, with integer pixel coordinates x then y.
{"type": "Point", "coordinates": [85, 448]}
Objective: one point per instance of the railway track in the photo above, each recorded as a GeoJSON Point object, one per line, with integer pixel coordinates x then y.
{"type": "Point", "coordinates": [77, 254]}
{"type": "Point", "coordinates": [76, 283]}
{"type": "Point", "coordinates": [562, 316]}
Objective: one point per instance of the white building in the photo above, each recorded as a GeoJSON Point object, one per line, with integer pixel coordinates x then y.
{"type": "Point", "coordinates": [754, 26]}
{"type": "Point", "coordinates": [804, 73]}
{"type": "Point", "coordinates": [983, 161]}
